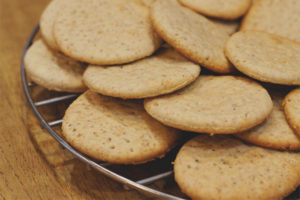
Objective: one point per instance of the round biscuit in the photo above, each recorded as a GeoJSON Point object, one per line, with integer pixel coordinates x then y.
{"type": "Point", "coordinates": [47, 21]}
{"type": "Point", "coordinates": [214, 105]}
{"type": "Point", "coordinates": [105, 32]}
{"type": "Point", "coordinates": [265, 57]}
{"type": "Point", "coordinates": [275, 131]}
{"type": "Point", "coordinates": [191, 34]}
{"type": "Point", "coordinates": [162, 73]}
{"type": "Point", "coordinates": [222, 168]}
{"type": "Point", "coordinates": [53, 70]}
{"type": "Point", "coordinates": [280, 17]}
{"type": "Point", "coordinates": [115, 130]}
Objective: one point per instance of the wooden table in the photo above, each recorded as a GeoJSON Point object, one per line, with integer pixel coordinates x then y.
{"type": "Point", "coordinates": [26, 170]}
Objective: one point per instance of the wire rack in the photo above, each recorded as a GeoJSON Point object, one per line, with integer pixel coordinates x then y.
{"type": "Point", "coordinates": [141, 185]}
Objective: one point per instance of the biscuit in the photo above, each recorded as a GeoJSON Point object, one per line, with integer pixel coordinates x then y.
{"type": "Point", "coordinates": [47, 21]}
{"type": "Point", "coordinates": [191, 34]}
{"type": "Point", "coordinates": [162, 73]}
{"type": "Point", "coordinates": [229, 9]}
{"type": "Point", "coordinates": [115, 131]}
{"type": "Point", "coordinates": [280, 17]}
{"type": "Point", "coordinates": [105, 32]}
{"type": "Point", "coordinates": [265, 57]}
{"type": "Point", "coordinates": [222, 168]}
{"type": "Point", "coordinates": [53, 70]}
{"type": "Point", "coordinates": [291, 105]}
{"type": "Point", "coordinates": [275, 132]}
{"type": "Point", "coordinates": [213, 104]}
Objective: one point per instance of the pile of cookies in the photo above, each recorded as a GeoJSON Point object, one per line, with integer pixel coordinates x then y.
{"type": "Point", "coordinates": [138, 64]}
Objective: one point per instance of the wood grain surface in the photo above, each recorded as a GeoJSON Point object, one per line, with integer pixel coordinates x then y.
{"type": "Point", "coordinates": [32, 165]}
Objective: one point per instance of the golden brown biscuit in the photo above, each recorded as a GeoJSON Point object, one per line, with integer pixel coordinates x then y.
{"type": "Point", "coordinates": [105, 32]}
{"type": "Point", "coordinates": [275, 131]}
{"type": "Point", "coordinates": [47, 20]}
{"type": "Point", "coordinates": [53, 70]}
{"type": "Point", "coordinates": [191, 34]}
{"type": "Point", "coordinates": [115, 131]}
{"type": "Point", "coordinates": [214, 105]}
{"type": "Point", "coordinates": [161, 73]}
{"type": "Point", "coordinates": [280, 17]}
{"type": "Point", "coordinates": [222, 168]}
{"type": "Point", "coordinates": [265, 57]}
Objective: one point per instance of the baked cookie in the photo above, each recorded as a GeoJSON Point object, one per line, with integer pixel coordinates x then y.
{"type": "Point", "coordinates": [291, 105]}
{"type": "Point", "coordinates": [214, 105]}
{"type": "Point", "coordinates": [275, 132]}
{"type": "Point", "coordinates": [222, 168]}
{"type": "Point", "coordinates": [224, 9]}
{"type": "Point", "coordinates": [162, 73]}
{"type": "Point", "coordinates": [265, 57]}
{"type": "Point", "coordinates": [47, 20]}
{"type": "Point", "coordinates": [280, 17]}
{"type": "Point", "coordinates": [53, 70]}
{"type": "Point", "coordinates": [191, 34]}
{"type": "Point", "coordinates": [115, 131]}
{"type": "Point", "coordinates": [105, 32]}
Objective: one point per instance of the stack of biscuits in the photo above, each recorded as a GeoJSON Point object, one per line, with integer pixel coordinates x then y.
{"type": "Point", "coordinates": [138, 64]}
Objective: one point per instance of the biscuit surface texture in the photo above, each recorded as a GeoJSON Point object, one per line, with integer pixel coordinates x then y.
{"type": "Point", "coordinates": [291, 106]}
{"type": "Point", "coordinates": [193, 35]}
{"type": "Point", "coordinates": [224, 9]}
{"type": "Point", "coordinates": [275, 131]}
{"type": "Point", "coordinates": [223, 168]}
{"type": "Point", "coordinates": [115, 131]}
{"type": "Point", "coordinates": [48, 18]}
{"type": "Point", "coordinates": [147, 2]}
{"type": "Point", "coordinates": [265, 57]}
{"type": "Point", "coordinates": [280, 17]}
{"type": "Point", "coordinates": [213, 104]}
{"type": "Point", "coordinates": [53, 70]}
{"type": "Point", "coordinates": [105, 32]}
{"type": "Point", "coordinates": [161, 73]}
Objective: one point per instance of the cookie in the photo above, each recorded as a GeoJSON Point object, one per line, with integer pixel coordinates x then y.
{"type": "Point", "coordinates": [213, 104]}
{"type": "Point", "coordinates": [53, 70]}
{"type": "Point", "coordinates": [280, 17]}
{"type": "Point", "coordinates": [115, 131]}
{"type": "Point", "coordinates": [291, 107]}
{"type": "Point", "coordinates": [228, 9]}
{"type": "Point", "coordinates": [162, 73]}
{"type": "Point", "coordinates": [47, 21]}
{"type": "Point", "coordinates": [191, 34]}
{"type": "Point", "coordinates": [275, 132]}
{"type": "Point", "coordinates": [223, 168]}
{"type": "Point", "coordinates": [105, 32]}
{"type": "Point", "coordinates": [265, 57]}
